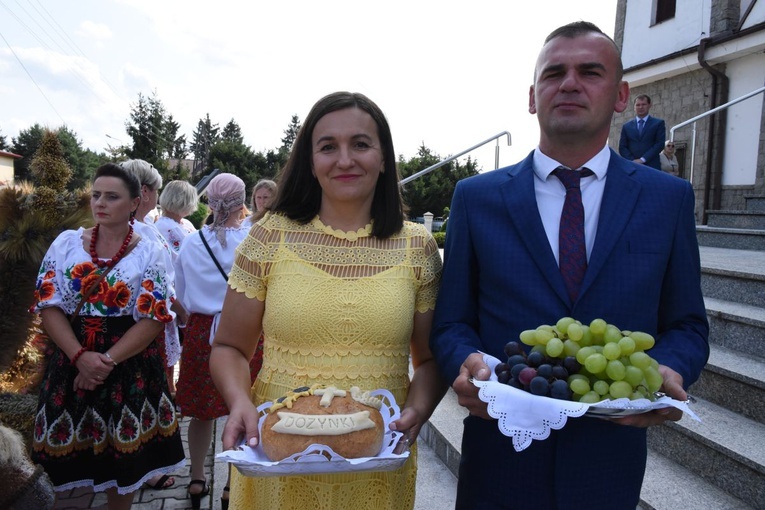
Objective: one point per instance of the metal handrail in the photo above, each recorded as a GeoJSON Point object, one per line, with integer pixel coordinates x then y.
{"type": "Point", "coordinates": [714, 110]}
{"type": "Point", "coordinates": [701, 116]}
{"type": "Point", "coordinates": [452, 158]}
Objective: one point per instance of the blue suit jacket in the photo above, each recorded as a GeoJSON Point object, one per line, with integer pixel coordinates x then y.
{"type": "Point", "coordinates": [646, 145]}
{"type": "Point", "coordinates": [500, 277]}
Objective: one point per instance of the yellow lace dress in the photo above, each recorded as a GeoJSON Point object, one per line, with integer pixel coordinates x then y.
{"type": "Point", "coordinates": [339, 310]}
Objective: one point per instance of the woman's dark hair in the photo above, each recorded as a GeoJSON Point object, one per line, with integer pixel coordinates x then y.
{"type": "Point", "coordinates": [130, 180]}
{"type": "Point", "coordinates": [299, 193]}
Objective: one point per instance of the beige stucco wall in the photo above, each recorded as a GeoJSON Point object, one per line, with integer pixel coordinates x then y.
{"type": "Point", "coordinates": [6, 171]}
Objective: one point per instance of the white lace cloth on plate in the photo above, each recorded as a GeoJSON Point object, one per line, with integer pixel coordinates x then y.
{"type": "Point", "coordinates": [319, 459]}
{"type": "Point", "coordinates": [525, 417]}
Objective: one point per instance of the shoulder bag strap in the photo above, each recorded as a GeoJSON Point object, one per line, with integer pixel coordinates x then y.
{"type": "Point", "coordinates": [217, 264]}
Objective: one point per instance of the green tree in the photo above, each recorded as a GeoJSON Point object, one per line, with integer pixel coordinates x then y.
{"type": "Point", "coordinates": [25, 145]}
{"type": "Point", "coordinates": [148, 127]}
{"type": "Point", "coordinates": [232, 133]}
{"type": "Point", "coordinates": [230, 154]}
{"type": "Point", "coordinates": [433, 191]}
{"type": "Point", "coordinates": [202, 140]}
{"type": "Point", "coordinates": [177, 148]}
{"type": "Point", "coordinates": [290, 134]}
{"type": "Point", "coordinates": [82, 162]}
{"type": "Point", "coordinates": [3, 142]}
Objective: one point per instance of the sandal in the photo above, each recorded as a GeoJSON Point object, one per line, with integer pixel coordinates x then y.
{"type": "Point", "coordinates": [163, 482]}
{"type": "Point", "coordinates": [196, 499]}
{"type": "Point", "coordinates": [224, 500]}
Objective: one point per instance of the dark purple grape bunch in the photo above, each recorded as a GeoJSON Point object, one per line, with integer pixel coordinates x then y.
{"type": "Point", "coordinates": [536, 373]}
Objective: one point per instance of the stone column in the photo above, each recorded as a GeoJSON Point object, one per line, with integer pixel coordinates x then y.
{"type": "Point", "coordinates": [428, 221]}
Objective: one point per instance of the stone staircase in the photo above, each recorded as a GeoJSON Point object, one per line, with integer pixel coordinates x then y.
{"type": "Point", "coordinates": [719, 463]}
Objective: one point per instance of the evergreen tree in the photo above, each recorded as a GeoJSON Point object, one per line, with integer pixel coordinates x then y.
{"type": "Point", "coordinates": [203, 139]}
{"type": "Point", "coordinates": [232, 133]}
{"type": "Point", "coordinates": [25, 145]}
{"type": "Point", "coordinates": [4, 142]}
{"type": "Point", "coordinates": [290, 134]}
{"type": "Point", "coordinates": [433, 191]}
{"type": "Point", "coordinates": [82, 162]}
{"type": "Point", "coordinates": [148, 127]}
{"type": "Point", "coordinates": [177, 147]}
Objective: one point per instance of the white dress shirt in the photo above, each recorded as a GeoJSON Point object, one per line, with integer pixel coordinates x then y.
{"type": "Point", "coordinates": [550, 194]}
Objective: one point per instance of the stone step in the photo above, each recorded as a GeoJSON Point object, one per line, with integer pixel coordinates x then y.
{"type": "Point", "coordinates": [733, 275]}
{"type": "Point", "coordinates": [726, 450]}
{"type": "Point", "coordinates": [443, 432]}
{"type": "Point", "coordinates": [736, 326]}
{"type": "Point", "coordinates": [669, 486]}
{"type": "Point", "coordinates": [734, 381]}
{"type": "Point", "coordinates": [755, 202]}
{"type": "Point", "coordinates": [738, 238]}
{"type": "Point", "coordinates": [752, 220]}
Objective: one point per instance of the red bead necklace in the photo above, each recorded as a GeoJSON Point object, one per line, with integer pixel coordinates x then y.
{"type": "Point", "coordinates": [111, 262]}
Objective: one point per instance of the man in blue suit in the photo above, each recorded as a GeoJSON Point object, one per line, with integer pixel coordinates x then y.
{"type": "Point", "coordinates": [501, 276]}
{"type": "Point", "coordinates": [642, 138]}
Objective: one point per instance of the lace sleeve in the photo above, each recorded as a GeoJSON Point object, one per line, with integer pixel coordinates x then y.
{"type": "Point", "coordinates": [430, 276]}
{"type": "Point", "coordinates": [248, 273]}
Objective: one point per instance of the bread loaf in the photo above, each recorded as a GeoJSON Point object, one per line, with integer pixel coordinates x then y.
{"type": "Point", "coordinates": [349, 422]}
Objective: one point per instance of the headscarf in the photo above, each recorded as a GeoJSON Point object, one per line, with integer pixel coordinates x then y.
{"type": "Point", "coordinates": [225, 194]}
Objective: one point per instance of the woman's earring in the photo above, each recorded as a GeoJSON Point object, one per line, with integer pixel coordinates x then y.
{"type": "Point", "coordinates": [132, 217]}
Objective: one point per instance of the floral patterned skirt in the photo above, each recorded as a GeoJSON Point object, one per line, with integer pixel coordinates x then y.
{"type": "Point", "coordinates": [196, 395]}
{"type": "Point", "coordinates": [116, 436]}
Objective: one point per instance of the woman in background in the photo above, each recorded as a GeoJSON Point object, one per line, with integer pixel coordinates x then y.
{"type": "Point", "coordinates": [263, 194]}
{"type": "Point", "coordinates": [105, 418]}
{"type": "Point", "coordinates": [202, 268]}
{"type": "Point", "coordinates": [668, 160]}
{"type": "Point", "coordinates": [178, 200]}
{"type": "Point", "coordinates": [169, 339]}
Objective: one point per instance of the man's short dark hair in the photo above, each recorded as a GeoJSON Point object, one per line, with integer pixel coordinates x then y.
{"type": "Point", "coordinates": [580, 28]}
{"type": "Point", "coordinates": [643, 96]}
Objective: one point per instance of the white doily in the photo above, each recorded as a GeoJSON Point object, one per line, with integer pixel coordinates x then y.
{"type": "Point", "coordinates": [525, 417]}
{"type": "Point", "coordinates": [320, 459]}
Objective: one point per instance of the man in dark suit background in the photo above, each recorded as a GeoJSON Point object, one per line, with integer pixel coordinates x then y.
{"type": "Point", "coordinates": [642, 138]}
{"type": "Point", "coordinates": [501, 276]}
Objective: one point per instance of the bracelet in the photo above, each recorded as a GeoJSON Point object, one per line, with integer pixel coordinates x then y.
{"type": "Point", "coordinates": [110, 358]}
{"type": "Point", "coordinates": [77, 356]}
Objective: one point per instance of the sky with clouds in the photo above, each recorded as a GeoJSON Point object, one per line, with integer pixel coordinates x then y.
{"type": "Point", "coordinates": [447, 74]}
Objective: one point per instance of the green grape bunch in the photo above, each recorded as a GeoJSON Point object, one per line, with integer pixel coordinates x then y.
{"type": "Point", "coordinates": [582, 362]}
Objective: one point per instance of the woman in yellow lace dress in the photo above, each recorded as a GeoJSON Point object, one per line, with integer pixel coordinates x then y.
{"type": "Point", "coordinates": [344, 290]}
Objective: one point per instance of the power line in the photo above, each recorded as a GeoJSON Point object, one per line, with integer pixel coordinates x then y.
{"type": "Point", "coordinates": [33, 80]}
{"type": "Point", "coordinates": [66, 37]}
{"type": "Point", "coordinates": [59, 32]}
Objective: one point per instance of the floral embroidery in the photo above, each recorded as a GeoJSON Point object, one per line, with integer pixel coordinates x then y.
{"type": "Point", "coordinates": [145, 304]}
{"type": "Point", "coordinates": [148, 285]}
{"type": "Point", "coordinates": [160, 311]}
{"type": "Point", "coordinates": [118, 296]}
{"type": "Point", "coordinates": [45, 291]}
{"type": "Point", "coordinates": [98, 293]}
{"type": "Point", "coordinates": [82, 270]}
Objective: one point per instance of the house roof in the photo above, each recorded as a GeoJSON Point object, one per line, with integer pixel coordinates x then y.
{"type": "Point", "coordinates": [10, 154]}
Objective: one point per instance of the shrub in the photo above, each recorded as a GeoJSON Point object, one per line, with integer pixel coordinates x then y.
{"type": "Point", "coordinates": [197, 218]}
{"type": "Point", "coordinates": [440, 238]}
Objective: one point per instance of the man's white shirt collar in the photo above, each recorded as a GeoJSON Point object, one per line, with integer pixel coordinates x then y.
{"type": "Point", "coordinates": [545, 165]}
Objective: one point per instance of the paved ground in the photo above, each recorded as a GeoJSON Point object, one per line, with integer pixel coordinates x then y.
{"type": "Point", "coordinates": [436, 486]}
